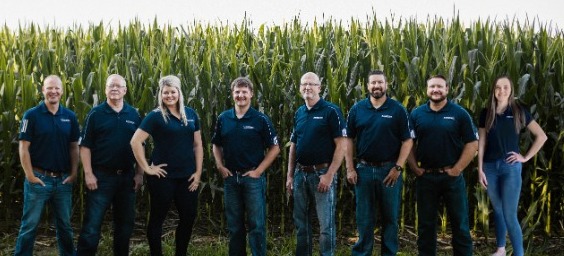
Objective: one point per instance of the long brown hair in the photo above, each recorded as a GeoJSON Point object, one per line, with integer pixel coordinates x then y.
{"type": "Point", "coordinates": [518, 115]}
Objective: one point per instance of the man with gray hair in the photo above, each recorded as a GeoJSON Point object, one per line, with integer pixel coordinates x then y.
{"type": "Point", "coordinates": [109, 169]}
{"type": "Point", "coordinates": [317, 148]}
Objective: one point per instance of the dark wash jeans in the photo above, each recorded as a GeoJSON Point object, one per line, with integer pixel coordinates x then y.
{"type": "Point", "coordinates": [162, 191]}
{"type": "Point", "coordinates": [430, 189]}
{"type": "Point", "coordinates": [370, 191]}
{"type": "Point", "coordinates": [117, 191]}
{"type": "Point", "coordinates": [245, 194]}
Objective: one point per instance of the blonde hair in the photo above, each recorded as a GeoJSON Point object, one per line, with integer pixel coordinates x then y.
{"type": "Point", "coordinates": [171, 81]}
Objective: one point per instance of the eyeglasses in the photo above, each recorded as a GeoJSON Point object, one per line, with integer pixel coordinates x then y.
{"type": "Point", "coordinates": [115, 86]}
{"type": "Point", "coordinates": [310, 84]}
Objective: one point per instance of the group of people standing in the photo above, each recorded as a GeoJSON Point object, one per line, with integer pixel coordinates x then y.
{"type": "Point", "coordinates": [437, 139]}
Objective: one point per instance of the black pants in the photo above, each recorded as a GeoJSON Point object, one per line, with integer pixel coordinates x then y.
{"type": "Point", "coordinates": [162, 192]}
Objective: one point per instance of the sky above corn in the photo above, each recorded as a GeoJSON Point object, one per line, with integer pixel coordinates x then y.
{"type": "Point", "coordinates": [64, 13]}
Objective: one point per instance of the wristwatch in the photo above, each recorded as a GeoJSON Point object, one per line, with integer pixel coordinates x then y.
{"type": "Point", "coordinates": [398, 168]}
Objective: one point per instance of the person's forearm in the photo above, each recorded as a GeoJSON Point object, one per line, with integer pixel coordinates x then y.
{"type": "Point", "coordinates": [74, 158]}
{"type": "Point", "coordinates": [412, 160]}
{"type": "Point", "coordinates": [468, 153]}
{"type": "Point", "coordinates": [349, 159]}
{"type": "Point", "coordinates": [338, 155]}
{"type": "Point", "coordinates": [405, 149]}
{"type": "Point", "coordinates": [291, 160]}
{"type": "Point", "coordinates": [269, 158]}
{"type": "Point", "coordinates": [86, 159]}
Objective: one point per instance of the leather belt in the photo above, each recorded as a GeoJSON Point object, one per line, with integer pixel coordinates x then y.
{"type": "Point", "coordinates": [312, 168]}
{"type": "Point", "coordinates": [47, 172]}
{"type": "Point", "coordinates": [109, 170]}
{"type": "Point", "coordinates": [374, 164]}
{"type": "Point", "coordinates": [437, 170]}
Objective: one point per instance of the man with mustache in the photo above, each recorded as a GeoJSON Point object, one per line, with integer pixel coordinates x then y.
{"type": "Point", "coordinates": [383, 134]}
{"type": "Point", "coordinates": [244, 145]}
{"type": "Point", "coordinates": [446, 141]}
{"type": "Point", "coordinates": [48, 151]}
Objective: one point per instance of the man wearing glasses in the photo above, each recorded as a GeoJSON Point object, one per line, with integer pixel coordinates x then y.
{"type": "Point", "coordinates": [316, 153]}
{"type": "Point", "coordinates": [109, 171]}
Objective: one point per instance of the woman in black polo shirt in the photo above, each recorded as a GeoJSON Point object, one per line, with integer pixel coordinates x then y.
{"type": "Point", "coordinates": [499, 159]}
{"type": "Point", "coordinates": [175, 165]}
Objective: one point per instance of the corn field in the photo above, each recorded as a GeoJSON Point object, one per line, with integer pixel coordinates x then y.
{"type": "Point", "coordinates": [208, 57]}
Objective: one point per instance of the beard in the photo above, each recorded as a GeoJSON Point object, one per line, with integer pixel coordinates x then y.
{"type": "Point", "coordinates": [376, 94]}
{"type": "Point", "coordinates": [439, 99]}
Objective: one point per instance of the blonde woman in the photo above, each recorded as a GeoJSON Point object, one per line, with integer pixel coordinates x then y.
{"type": "Point", "coordinates": [499, 159]}
{"type": "Point", "coordinates": [175, 165]}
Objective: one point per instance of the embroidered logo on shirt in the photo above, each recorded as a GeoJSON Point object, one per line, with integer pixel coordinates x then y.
{"type": "Point", "coordinates": [449, 117]}
{"type": "Point", "coordinates": [129, 122]}
{"type": "Point", "coordinates": [317, 117]}
{"type": "Point", "coordinates": [386, 116]}
{"type": "Point", "coordinates": [190, 120]}
{"type": "Point", "coordinates": [510, 117]}
{"type": "Point", "coordinates": [248, 127]}
{"type": "Point", "coordinates": [65, 120]}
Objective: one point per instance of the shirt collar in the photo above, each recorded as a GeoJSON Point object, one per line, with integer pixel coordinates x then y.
{"type": "Point", "coordinates": [368, 103]}
{"type": "Point", "coordinates": [318, 105]}
{"type": "Point", "coordinates": [43, 108]}
{"type": "Point", "coordinates": [109, 109]}
{"type": "Point", "coordinates": [444, 109]}
{"type": "Point", "coordinates": [250, 113]}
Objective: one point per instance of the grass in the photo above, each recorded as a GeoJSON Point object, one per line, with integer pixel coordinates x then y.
{"type": "Point", "coordinates": [217, 244]}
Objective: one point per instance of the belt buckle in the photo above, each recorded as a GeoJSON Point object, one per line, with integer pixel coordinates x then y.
{"type": "Point", "coordinates": [51, 174]}
{"type": "Point", "coordinates": [119, 172]}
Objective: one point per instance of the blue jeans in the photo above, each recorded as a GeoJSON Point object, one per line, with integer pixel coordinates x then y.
{"type": "Point", "coordinates": [306, 200]}
{"type": "Point", "coordinates": [370, 192]}
{"type": "Point", "coordinates": [162, 191]}
{"type": "Point", "coordinates": [430, 189]}
{"type": "Point", "coordinates": [59, 197]}
{"type": "Point", "coordinates": [504, 188]}
{"type": "Point", "coordinates": [245, 194]}
{"type": "Point", "coordinates": [116, 190]}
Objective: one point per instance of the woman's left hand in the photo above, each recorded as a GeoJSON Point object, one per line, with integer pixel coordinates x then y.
{"type": "Point", "coordinates": [515, 158]}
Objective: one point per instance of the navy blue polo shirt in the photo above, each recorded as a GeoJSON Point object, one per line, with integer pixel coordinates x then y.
{"type": "Point", "coordinates": [173, 142]}
{"type": "Point", "coordinates": [50, 136]}
{"type": "Point", "coordinates": [502, 137]}
{"type": "Point", "coordinates": [315, 130]}
{"type": "Point", "coordinates": [107, 134]}
{"type": "Point", "coordinates": [379, 132]}
{"type": "Point", "coordinates": [244, 140]}
{"type": "Point", "coordinates": [441, 135]}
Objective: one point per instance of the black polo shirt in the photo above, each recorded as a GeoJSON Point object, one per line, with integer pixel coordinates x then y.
{"type": "Point", "coordinates": [50, 136]}
{"type": "Point", "coordinates": [244, 140]}
{"type": "Point", "coordinates": [173, 142]}
{"type": "Point", "coordinates": [502, 137]}
{"type": "Point", "coordinates": [107, 134]}
{"type": "Point", "coordinates": [379, 132]}
{"type": "Point", "coordinates": [315, 130]}
{"type": "Point", "coordinates": [441, 135]}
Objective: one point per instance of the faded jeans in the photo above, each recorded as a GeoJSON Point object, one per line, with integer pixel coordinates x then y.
{"type": "Point", "coordinates": [306, 200]}
{"type": "Point", "coordinates": [504, 188]}
{"type": "Point", "coordinates": [36, 196]}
